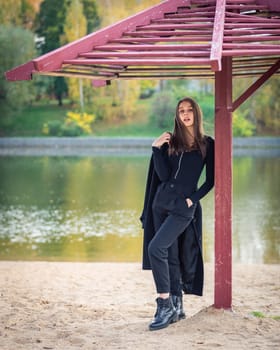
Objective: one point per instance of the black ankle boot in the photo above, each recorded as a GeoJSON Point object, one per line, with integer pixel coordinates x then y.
{"type": "Point", "coordinates": [165, 314]}
{"type": "Point", "coordinates": [178, 304]}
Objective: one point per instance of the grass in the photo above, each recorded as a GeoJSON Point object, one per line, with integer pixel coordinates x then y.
{"type": "Point", "coordinates": [31, 120]}
{"type": "Point", "coordinates": [260, 314]}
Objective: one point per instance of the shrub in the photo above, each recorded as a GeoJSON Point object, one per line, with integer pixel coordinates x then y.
{"type": "Point", "coordinates": [242, 126]}
{"type": "Point", "coordinates": [75, 124]}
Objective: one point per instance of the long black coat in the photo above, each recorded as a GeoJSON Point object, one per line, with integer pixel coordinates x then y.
{"type": "Point", "coordinates": [190, 241]}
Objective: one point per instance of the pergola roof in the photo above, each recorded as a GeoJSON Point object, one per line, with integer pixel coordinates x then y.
{"type": "Point", "coordinates": [175, 39]}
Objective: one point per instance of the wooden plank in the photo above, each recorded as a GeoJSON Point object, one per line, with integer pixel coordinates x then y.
{"type": "Point", "coordinates": [244, 8]}
{"type": "Point", "coordinates": [223, 186]}
{"type": "Point", "coordinates": [173, 33]}
{"type": "Point", "coordinates": [143, 62]}
{"type": "Point", "coordinates": [185, 20]}
{"type": "Point", "coordinates": [176, 26]}
{"type": "Point", "coordinates": [254, 25]}
{"type": "Point", "coordinates": [151, 47]}
{"type": "Point", "coordinates": [251, 38]}
{"type": "Point", "coordinates": [256, 32]}
{"type": "Point", "coordinates": [251, 46]}
{"type": "Point", "coordinates": [158, 39]}
{"type": "Point", "coordinates": [146, 54]}
{"type": "Point", "coordinates": [253, 52]}
{"type": "Point", "coordinates": [218, 35]}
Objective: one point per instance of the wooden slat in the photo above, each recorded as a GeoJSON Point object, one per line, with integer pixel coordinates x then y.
{"type": "Point", "coordinates": [143, 62]}
{"type": "Point", "coordinates": [256, 32]}
{"type": "Point", "coordinates": [251, 46]}
{"type": "Point", "coordinates": [243, 8]}
{"type": "Point", "coordinates": [252, 25]}
{"type": "Point", "coordinates": [148, 47]}
{"type": "Point", "coordinates": [176, 26]}
{"type": "Point", "coordinates": [249, 52]}
{"type": "Point", "coordinates": [251, 38]}
{"type": "Point", "coordinates": [172, 33]}
{"type": "Point", "coordinates": [146, 54]}
{"type": "Point", "coordinates": [182, 20]}
{"type": "Point", "coordinates": [159, 39]}
{"type": "Point", "coordinates": [204, 14]}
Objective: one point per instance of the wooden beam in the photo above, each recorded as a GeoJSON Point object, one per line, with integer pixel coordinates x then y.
{"type": "Point", "coordinates": [249, 92]}
{"type": "Point", "coordinates": [22, 72]}
{"type": "Point", "coordinates": [223, 185]}
{"type": "Point", "coordinates": [218, 35]}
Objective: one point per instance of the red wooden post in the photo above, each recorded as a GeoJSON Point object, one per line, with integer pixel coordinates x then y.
{"type": "Point", "coordinates": [223, 185]}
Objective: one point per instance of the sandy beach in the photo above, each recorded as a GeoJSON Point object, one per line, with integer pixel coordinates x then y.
{"type": "Point", "coordinates": [65, 306]}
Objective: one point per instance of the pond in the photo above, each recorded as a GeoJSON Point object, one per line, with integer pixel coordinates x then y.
{"type": "Point", "coordinates": [88, 208]}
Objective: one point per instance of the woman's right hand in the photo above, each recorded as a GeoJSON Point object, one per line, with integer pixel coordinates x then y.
{"type": "Point", "coordinates": [163, 138]}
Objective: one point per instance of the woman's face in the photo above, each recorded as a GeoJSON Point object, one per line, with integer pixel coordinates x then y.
{"type": "Point", "coordinates": [186, 114]}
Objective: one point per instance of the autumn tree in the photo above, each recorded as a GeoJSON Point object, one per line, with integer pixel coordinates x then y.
{"type": "Point", "coordinates": [75, 27]}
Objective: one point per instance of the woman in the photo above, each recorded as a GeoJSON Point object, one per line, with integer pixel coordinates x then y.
{"type": "Point", "coordinates": [172, 214]}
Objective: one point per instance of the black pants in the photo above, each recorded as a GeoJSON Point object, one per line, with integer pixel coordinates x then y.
{"type": "Point", "coordinates": [164, 251]}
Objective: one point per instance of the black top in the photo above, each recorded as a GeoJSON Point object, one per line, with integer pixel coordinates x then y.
{"type": "Point", "coordinates": [186, 168]}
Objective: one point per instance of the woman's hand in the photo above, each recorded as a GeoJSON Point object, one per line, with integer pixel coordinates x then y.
{"type": "Point", "coordinates": [165, 137]}
{"type": "Point", "coordinates": [189, 202]}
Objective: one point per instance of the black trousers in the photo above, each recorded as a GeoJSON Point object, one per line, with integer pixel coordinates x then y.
{"type": "Point", "coordinates": [163, 249]}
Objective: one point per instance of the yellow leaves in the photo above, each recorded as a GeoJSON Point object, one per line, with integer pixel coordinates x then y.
{"type": "Point", "coordinates": [82, 120]}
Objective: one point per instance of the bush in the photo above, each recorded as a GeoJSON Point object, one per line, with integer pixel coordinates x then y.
{"type": "Point", "coordinates": [75, 124]}
{"type": "Point", "coordinates": [242, 126]}
{"type": "Point", "coordinates": [52, 128]}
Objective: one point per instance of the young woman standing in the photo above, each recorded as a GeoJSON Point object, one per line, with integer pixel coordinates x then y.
{"type": "Point", "coordinates": [172, 196]}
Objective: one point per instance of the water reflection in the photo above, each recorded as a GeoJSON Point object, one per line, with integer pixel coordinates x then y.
{"type": "Point", "coordinates": [87, 209]}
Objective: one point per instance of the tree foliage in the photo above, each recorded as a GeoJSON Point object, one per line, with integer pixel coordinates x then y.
{"type": "Point", "coordinates": [50, 23]}
{"type": "Point", "coordinates": [18, 46]}
{"type": "Point", "coordinates": [56, 24]}
{"type": "Point", "coordinates": [75, 27]}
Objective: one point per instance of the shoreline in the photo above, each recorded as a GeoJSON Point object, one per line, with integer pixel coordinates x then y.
{"type": "Point", "coordinates": [122, 146]}
{"type": "Point", "coordinates": [108, 306]}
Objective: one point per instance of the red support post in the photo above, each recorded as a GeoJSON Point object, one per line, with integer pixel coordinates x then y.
{"type": "Point", "coordinates": [223, 185]}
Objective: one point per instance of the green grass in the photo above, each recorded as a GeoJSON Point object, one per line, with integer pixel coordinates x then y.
{"type": "Point", "coordinates": [30, 121]}
{"type": "Point", "coordinates": [260, 314]}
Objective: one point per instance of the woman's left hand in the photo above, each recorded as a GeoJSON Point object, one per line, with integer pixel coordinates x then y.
{"type": "Point", "coordinates": [189, 202]}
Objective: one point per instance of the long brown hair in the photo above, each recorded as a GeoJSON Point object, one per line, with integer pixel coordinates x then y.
{"type": "Point", "coordinates": [180, 142]}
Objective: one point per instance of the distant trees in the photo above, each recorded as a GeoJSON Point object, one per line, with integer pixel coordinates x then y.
{"type": "Point", "coordinates": [75, 27]}
{"type": "Point", "coordinates": [16, 47]}
{"type": "Point", "coordinates": [58, 23]}
{"type": "Point", "coordinates": [51, 24]}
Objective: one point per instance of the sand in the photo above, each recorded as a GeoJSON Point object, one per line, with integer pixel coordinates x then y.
{"type": "Point", "coordinates": [50, 305]}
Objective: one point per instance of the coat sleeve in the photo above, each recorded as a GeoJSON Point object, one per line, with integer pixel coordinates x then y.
{"type": "Point", "coordinates": [210, 166]}
{"type": "Point", "coordinates": [161, 162]}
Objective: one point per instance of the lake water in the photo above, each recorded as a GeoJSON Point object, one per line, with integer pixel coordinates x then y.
{"type": "Point", "coordinates": [88, 208]}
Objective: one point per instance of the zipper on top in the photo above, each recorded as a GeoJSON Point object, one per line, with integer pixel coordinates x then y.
{"type": "Point", "coordinates": [179, 166]}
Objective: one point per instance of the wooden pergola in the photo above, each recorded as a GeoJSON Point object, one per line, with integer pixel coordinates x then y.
{"type": "Point", "coordinates": [184, 39]}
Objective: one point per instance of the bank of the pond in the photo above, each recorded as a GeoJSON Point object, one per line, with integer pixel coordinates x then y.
{"type": "Point", "coordinates": [86, 146]}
